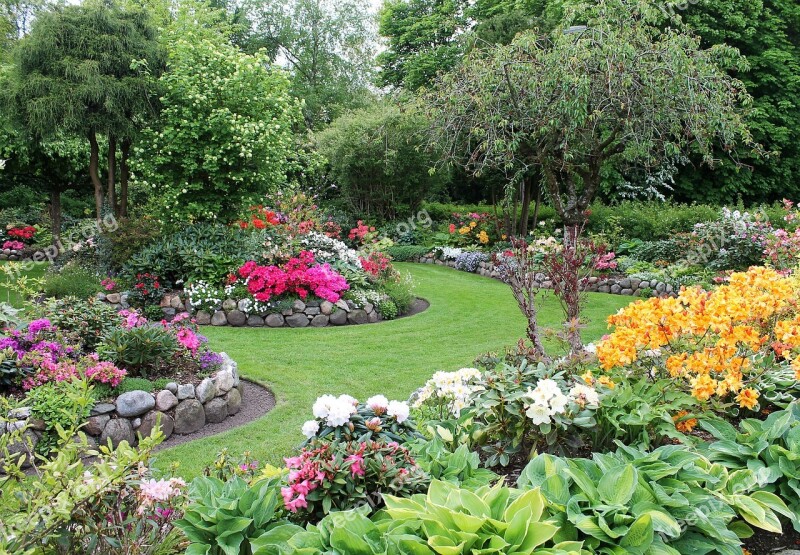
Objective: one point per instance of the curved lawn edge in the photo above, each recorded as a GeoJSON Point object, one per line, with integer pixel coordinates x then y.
{"type": "Point", "coordinates": [468, 315]}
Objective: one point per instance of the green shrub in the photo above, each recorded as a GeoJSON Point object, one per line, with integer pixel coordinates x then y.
{"type": "Point", "coordinates": [88, 319]}
{"type": "Point", "coordinates": [387, 309]}
{"type": "Point", "coordinates": [407, 253]}
{"type": "Point", "coordinates": [142, 351]}
{"type": "Point", "coordinates": [401, 293]}
{"type": "Point", "coordinates": [132, 236]}
{"type": "Point", "coordinates": [71, 281]}
{"type": "Point", "coordinates": [55, 404]}
{"type": "Point", "coordinates": [134, 384]}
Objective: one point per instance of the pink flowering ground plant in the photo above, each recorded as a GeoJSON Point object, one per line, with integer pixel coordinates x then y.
{"type": "Point", "coordinates": [349, 474]}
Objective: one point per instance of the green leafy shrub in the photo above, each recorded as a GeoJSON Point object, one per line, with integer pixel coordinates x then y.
{"type": "Point", "coordinates": [665, 249]}
{"type": "Point", "coordinates": [70, 281]}
{"type": "Point", "coordinates": [142, 350]}
{"type": "Point", "coordinates": [407, 253]}
{"type": "Point", "coordinates": [400, 292]}
{"type": "Point", "coordinates": [134, 384]}
{"type": "Point", "coordinates": [132, 236]}
{"type": "Point", "coordinates": [461, 466]}
{"type": "Point", "coordinates": [11, 374]}
{"type": "Point", "coordinates": [87, 319]}
{"type": "Point", "coordinates": [55, 403]}
{"type": "Point", "coordinates": [9, 315]}
{"type": "Point", "coordinates": [388, 309]}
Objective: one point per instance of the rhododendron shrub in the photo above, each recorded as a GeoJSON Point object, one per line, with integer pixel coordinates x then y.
{"type": "Point", "coordinates": [344, 475]}
{"type": "Point", "coordinates": [720, 345]}
{"type": "Point", "coordinates": [343, 418]}
{"type": "Point", "coordinates": [300, 276]}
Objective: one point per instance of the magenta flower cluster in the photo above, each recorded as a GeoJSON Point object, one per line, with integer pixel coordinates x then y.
{"type": "Point", "coordinates": [301, 275]}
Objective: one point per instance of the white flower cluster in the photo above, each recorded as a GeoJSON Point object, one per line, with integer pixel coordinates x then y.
{"type": "Point", "coordinates": [363, 296]}
{"type": "Point", "coordinates": [448, 253]}
{"type": "Point", "coordinates": [336, 411]}
{"type": "Point", "coordinates": [328, 249]}
{"type": "Point", "coordinates": [251, 306]}
{"type": "Point", "coordinates": [547, 400]}
{"type": "Point", "coordinates": [203, 296]}
{"type": "Point", "coordinates": [456, 388]}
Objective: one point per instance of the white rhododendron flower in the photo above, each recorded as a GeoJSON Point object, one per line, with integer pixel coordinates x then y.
{"type": "Point", "coordinates": [547, 400]}
{"type": "Point", "coordinates": [378, 403]}
{"type": "Point", "coordinates": [348, 399]}
{"type": "Point", "coordinates": [310, 428]}
{"type": "Point", "coordinates": [538, 414]}
{"type": "Point", "coordinates": [399, 410]}
{"type": "Point", "coordinates": [456, 388]}
{"type": "Point", "coordinates": [584, 395]}
{"type": "Point", "coordinates": [323, 405]}
{"type": "Point", "coordinates": [339, 414]}
{"type": "Point", "coordinates": [335, 410]}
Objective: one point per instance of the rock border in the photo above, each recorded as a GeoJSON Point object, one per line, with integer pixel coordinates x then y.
{"type": "Point", "coordinates": [179, 408]}
{"type": "Point", "coordinates": [615, 285]}
{"type": "Point", "coordinates": [310, 313]}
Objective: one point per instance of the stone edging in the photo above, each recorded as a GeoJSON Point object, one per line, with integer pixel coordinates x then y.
{"type": "Point", "coordinates": [616, 285]}
{"type": "Point", "coordinates": [179, 408]}
{"type": "Point", "coordinates": [301, 314]}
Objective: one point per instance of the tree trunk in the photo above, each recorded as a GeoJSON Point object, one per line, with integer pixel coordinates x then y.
{"type": "Point", "coordinates": [526, 206]}
{"type": "Point", "coordinates": [55, 213]}
{"type": "Point", "coordinates": [537, 205]}
{"type": "Point", "coordinates": [112, 167]}
{"type": "Point", "coordinates": [94, 173]}
{"type": "Point", "coordinates": [124, 175]}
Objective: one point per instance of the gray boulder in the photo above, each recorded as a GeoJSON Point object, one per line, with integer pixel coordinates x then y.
{"type": "Point", "coordinates": [205, 391]}
{"type": "Point", "coordinates": [255, 321]}
{"type": "Point", "coordinates": [319, 321]}
{"type": "Point", "coordinates": [203, 318]}
{"type": "Point", "coordinates": [228, 305]}
{"type": "Point", "coordinates": [117, 430]}
{"type": "Point", "coordinates": [358, 316]}
{"type": "Point", "coordinates": [274, 321]}
{"type": "Point", "coordinates": [134, 403]}
{"type": "Point", "coordinates": [172, 386]}
{"type": "Point", "coordinates": [237, 318]}
{"type": "Point", "coordinates": [103, 408]}
{"type": "Point", "coordinates": [338, 318]}
{"type": "Point", "coordinates": [297, 320]}
{"type": "Point", "coordinates": [224, 381]}
{"type": "Point", "coordinates": [189, 416]}
{"type": "Point", "coordinates": [326, 308]}
{"type": "Point", "coordinates": [233, 399]}
{"type": "Point", "coordinates": [219, 319]}
{"type": "Point", "coordinates": [165, 400]}
{"type": "Point", "coordinates": [298, 306]}
{"type": "Point", "coordinates": [155, 419]}
{"type": "Point", "coordinates": [216, 410]}
{"type": "Point", "coordinates": [96, 424]}
{"type": "Point", "coordinates": [185, 391]}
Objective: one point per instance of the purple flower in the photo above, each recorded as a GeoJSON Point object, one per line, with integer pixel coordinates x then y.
{"type": "Point", "coordinates": [210, 360]}
{"type": "Point", "coordinates": [38, 325]}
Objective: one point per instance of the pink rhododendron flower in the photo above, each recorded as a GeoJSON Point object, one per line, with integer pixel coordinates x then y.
{"type": "Point", "coordinates": [357, 466]}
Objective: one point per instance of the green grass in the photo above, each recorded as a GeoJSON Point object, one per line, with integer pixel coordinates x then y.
{"type": "Point", "coordinates": [469, 315]}
{"type": "Point", "coordinates": [7, 293]}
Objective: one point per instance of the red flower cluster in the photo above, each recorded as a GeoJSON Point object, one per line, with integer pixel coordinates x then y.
{"type": "Point", "coordinates": [360, 232]}
{"type": "Point", "coordinates": [22, 233]}
{"type": "Point", "coordinates": [146, 283]}
{"type": "Point", "coordinates": [375, 263]}
{"type": "Point", "coordinates": [300, 275]}
{"type": "Point", "coordinates": [260, 218]}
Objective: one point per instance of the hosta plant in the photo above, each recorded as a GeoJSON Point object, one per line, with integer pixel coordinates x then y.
{"type": "Point", "coordinates": [460, 466]}
{"type": "Point", "coordinates": [770, 449]}
{"type": "Point", "coordinates": [493, 519]}
{"type": "Point", "coordinates": [669, 501]}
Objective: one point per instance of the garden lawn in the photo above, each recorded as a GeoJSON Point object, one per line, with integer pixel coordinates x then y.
{"type": "Point", "coordinates": [469, 315]}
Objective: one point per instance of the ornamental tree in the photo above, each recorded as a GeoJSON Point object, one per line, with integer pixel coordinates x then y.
{"type": "Point", "coordinates": [225, 130]}
{"type": "Point", "coordinates": [87, 71]}
{"type": "Point", "coordinates": [609, 88]}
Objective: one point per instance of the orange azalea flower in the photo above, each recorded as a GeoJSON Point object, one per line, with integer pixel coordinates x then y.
{"type": "Point", "coordinates": [748, 399]}
{"type": "Point", "coordinates": [703, 387]}
{"type": "Point", "coordinates": [683, 424]}
{"type": "Point", "coordinates": [606, 381]}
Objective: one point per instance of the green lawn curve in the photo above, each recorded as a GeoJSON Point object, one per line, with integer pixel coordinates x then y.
{"type": "Point", "coordinates": [469, 315]}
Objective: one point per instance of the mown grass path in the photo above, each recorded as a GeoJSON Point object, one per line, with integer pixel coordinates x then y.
{"type": "Point", "coordinates": [469, 315]}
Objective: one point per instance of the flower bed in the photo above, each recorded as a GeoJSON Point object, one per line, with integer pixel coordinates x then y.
{"type": "Point", "coordinates": [178, 408]}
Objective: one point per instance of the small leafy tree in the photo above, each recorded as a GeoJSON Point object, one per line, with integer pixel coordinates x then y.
{"type": "Point", "coordinates": [225, 130]}
{"type": "Point", "coordinates": [612, 87]}
{"type": "Point", "coordinates": [377, 160]}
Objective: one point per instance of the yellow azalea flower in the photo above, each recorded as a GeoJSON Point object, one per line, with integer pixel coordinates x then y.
{"type": "Point", "coordinates": [588, 377]}
{"type": "Point", "coordinates": [703, 387]}
{"type": "Point", "coordinates": [464, 230]}
{"type": "Point", "coordinates": [472, 225]}
{"type": "Point", "coordinates": [606, 381]}
{"type": "Point", "coordinates": [796, 366]}
{"type": "Point", "coordinates": [483, 237]}
{"type": "Point", "coordinates": [748, 399]}
{"type": "Point", "coordinates": [504, 237]}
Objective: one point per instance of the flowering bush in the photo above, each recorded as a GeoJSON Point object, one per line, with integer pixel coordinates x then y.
{"type": "Point", "coordinates": [344, 418]}
{"type": "Point", "coordinates": [345, 475]}
{"type": "Point", "coordinates": [376, 264]}
{"type": "Point", "coordinates": [362, 233]}
{"type": "Point", "coordinates": [14, 245]}
{"type": "Point", "coordinates": [147, 290]}
{"type": "Point", "coordinates": [475, 229]}
{"type": "Point", "coordinates": [717, 344]}
{"type": "Point", "coordinates": [469, 261]}
{"type": "Point", "coordinates": [606, 262]}
{"type": "Point", "coordinates": [300, 276]}
{"type": "Point", "coordinates": [449, 392]}
{"type": "Point", "coordinates": [24, 233]}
